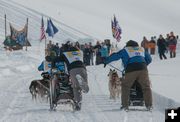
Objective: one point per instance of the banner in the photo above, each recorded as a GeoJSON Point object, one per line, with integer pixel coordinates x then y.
{"type": "Point", "coordinates": [19, 36]}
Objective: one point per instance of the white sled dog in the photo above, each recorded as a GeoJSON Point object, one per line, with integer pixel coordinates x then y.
{"type": "Point", "coordinates": [114, 84]}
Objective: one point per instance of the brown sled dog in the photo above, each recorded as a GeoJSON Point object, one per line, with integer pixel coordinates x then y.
{"type": "Point", "coordinates": [114, 84]}
{"type": "Point", "coordinates": [40, 88]}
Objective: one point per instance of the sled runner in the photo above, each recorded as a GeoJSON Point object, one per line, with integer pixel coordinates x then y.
{"type": "Point", "coordinates": [136, 95]}
{"type": "Point", "coordinates": [138, 108]}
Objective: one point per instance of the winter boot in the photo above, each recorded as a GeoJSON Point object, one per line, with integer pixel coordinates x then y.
{"type": "Point", "coordinates": [124, 108]}
{"type": "Point", "coordinates": [149, 108]}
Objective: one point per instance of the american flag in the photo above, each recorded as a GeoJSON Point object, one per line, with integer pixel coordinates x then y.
{"type": "Point", "coordinates": [43, 36]}
{"type": "Point", "coordinates": [116, 29]}
{"type": "Point", "coordinates": [113, 28]}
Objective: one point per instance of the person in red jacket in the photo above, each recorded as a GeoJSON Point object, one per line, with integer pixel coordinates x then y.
{"type": "Point", "coordinates": [172, 45]}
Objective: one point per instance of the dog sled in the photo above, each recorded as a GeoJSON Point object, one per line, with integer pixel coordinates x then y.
{"type": "Point", "coordinates": [136, 95]}
{"type": "Point", "coordinates": [60, 91]}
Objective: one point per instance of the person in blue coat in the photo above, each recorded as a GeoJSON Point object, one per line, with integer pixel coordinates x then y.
{"type": "Point", "coordinates": [135, 61]}
{"type": "Point", "coordinates": [104, 51]}
{"type": "Point", "coordinates": [60, 66]}
{"type": "Point", "coordinates": [45, 66]}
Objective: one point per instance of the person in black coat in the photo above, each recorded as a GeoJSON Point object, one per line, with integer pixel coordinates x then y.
{"type": "Point", "coordinates": [161, 43]}
{"type": "Point", "coordinates": [87, 55]}
{"type": "Point", "coordinates": [91, 54]}
{"type": "Point", "coordinates": [97, 48]}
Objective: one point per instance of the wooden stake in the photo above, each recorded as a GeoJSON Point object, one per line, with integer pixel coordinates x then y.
{"type": "Point", "coordinates": [27, 35]}
{"type": "Point", "coordinates": [5, 26]}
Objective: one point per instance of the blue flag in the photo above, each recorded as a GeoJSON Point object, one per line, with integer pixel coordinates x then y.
{"type": "Point", "coordinates": [54, 28]}
{"type": "Point", "coordinates": [51, 29]}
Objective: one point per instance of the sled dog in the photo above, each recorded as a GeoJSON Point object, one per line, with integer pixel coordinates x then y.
{"type": "Point", "coordinates": [114, 84]}
{"type": "Point", "coordinates": [39, 88]}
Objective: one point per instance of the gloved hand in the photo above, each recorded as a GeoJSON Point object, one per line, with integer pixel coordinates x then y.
{"type": "Point", "coordinates": [53, 64]}
{"type": "Point", "coordinates": [48, 58]}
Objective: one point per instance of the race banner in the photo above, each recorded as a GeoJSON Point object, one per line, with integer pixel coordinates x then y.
{"type": "Point", "coordinates": [20, 36]}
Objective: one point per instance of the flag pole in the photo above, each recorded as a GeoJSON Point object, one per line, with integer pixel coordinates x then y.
{"type": "Point", "coordinates": [115, 39]}
{"type": "Point", "coordinates": [116, 43]}
{"type": "Point", "coordinates": [45, 43]}
{"type": "Point", "coordinates": [5, 26]}
{"type": "Point", "coordinates": [45, 37]}
{"type": "Point", "coordinates": [45, 48]}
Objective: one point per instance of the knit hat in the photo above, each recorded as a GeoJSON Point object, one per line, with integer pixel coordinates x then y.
{"type": "Point", "coordinates": [131, 43]}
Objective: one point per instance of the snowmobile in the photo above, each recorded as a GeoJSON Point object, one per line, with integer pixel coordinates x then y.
{"type": "Point", "coordinates": [61, 91]}
{"type": "Point", "coordinates": [136, 95]}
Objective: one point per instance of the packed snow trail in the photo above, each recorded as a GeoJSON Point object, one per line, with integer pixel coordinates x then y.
{"type": "Point", "coordinates": [18, 69]}
{"type": "Point", "coordinates": [17, 105]}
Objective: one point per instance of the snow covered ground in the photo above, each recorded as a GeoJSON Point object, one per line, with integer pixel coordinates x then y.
{"type": "Point", "coordinates": [18, 69]}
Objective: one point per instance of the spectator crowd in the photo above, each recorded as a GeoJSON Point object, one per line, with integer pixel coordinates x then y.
{"type": "Point", "coordinates": [164, 45]}
{"type": "Point", "coordinates": [96, 54]}
{"type": "Point", "coordinates": [92, 54]}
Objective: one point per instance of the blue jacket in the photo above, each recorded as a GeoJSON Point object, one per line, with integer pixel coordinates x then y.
{"type": "Point", "coordinates": [59, 65]}
{"type": "Point", "coordinates": [138, 56]}
{"type": "Point", "coordinates": [104, 51]}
